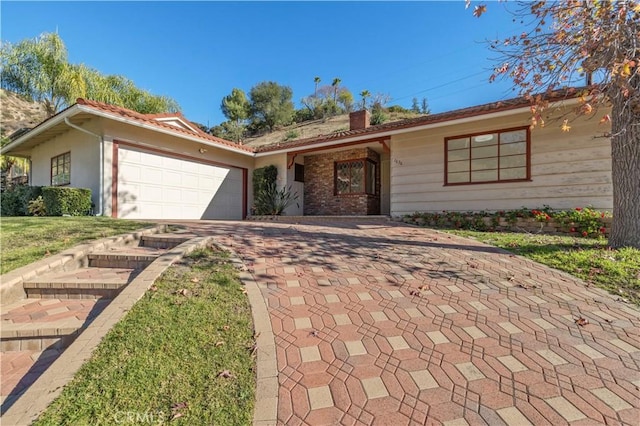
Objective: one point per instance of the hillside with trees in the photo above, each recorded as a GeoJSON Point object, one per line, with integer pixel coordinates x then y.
{"type": "Point", "coordinates": [268, 114]}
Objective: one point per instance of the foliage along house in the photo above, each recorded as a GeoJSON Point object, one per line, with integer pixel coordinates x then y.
{"type": "Point", "coordinates": [480, 158]}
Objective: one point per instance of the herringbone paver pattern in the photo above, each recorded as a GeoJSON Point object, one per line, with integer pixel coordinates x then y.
{"type": "Point", "coordinates": [382, 323]}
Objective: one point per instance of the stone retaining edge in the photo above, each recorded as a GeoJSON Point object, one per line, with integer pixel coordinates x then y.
{"type": "Point", "coordinates": [49, 385]}
{"type": "Point", "coordinates": [11, 283]}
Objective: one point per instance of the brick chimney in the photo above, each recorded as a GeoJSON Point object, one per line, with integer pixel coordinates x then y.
{"type": "Point", "coordinates": [359, 120]}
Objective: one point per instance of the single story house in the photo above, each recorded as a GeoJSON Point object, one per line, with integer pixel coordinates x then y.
{"type": "Point", "coordinates": [485, 157]}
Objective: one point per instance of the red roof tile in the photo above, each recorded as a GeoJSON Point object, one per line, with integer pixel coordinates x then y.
{"type": "Point", "coordinates": [150, 119]}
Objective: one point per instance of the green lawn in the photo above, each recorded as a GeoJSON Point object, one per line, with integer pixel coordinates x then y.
{"type": "Point", "coordinates": [26, 239]}
{"type": "Point", "coordinates": [183, 354]}
{"type": "Point", "coordinates": [617, 271]}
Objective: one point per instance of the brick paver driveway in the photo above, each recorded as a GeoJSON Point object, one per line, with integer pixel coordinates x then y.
{"type": "Point", "coordinates": [381, 323]}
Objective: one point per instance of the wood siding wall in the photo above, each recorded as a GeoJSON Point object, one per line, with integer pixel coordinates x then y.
{"type": "Point", "coordinates": [568, 169]}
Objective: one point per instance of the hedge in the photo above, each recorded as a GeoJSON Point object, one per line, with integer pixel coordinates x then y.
{"type": "Point", "coordinates": [15, 201]}
{"type": "Point", "coordinates": [60, 201]}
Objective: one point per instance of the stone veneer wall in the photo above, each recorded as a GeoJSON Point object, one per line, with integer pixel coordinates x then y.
{"type": "Point", "coordinates": [319, 197]}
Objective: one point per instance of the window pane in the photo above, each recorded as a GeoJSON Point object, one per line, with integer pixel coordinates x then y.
{"type": "Point", "coordinates": [458, 177]}
{"type": "Point", "coordinates": [357, 176]}
{"type": "Point", "coordinates": [484, 164]}
{"type": "Point", "coordinates": [511, 137]}
{"type": "Point", "coordinates": [513, 161]}
{"type": "Point", "coordinates": [488, 157]}
{"type": "Point", "coordinates": [342, 178]}
{"type": "Point", "coordinates": [482, 140]}
{"type": "Point", "coordinates": [513, 148]}
{"type": "Point", "coordinates": [458, 166]}
{"type": "Point", "coordinates": [457, 143]}
{"type": "Point", "coordinates": [459, 154]}
{"type": "Point", "coordinates": [518, 173]}
{"type": "Point", "coordinates": [484, 176]}
{"type": "Point", "coordinates": [299, 173]}
{"type": "Point", "coordinates": [487, 151]}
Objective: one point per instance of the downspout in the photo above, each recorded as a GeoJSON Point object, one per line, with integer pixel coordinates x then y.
{"type": "Point", "coordinates": [101, 140]}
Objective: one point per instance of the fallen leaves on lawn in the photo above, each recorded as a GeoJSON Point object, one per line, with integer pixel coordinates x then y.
{"type": "Point", "coordinates": [177, 410]}
{"type": "Point", "coordinates": [225, 327]}
{"type": "Point", "coordinates": [226, 374]}
{"type": "Point", "coordinates": [581, 321]}
{"type": "Point", "coordinates": [220, 343]}
{"type": "Point", "coordinates": [153, 288]}
{"type": "Point", "coordinates": [195, 280]}
{"type": "Point", "coordinates": [183, 292]}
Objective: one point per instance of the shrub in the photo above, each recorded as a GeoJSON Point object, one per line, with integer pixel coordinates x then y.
{"type": "Point", "coordinates": [274, 201]}
{"type": "Point", "coordinates": [36, 207]}
{"type": "Point", "coordinates": [585, 221]}
{"type": "Point", "coordinates": [263, 178]}
{"type": "Point", "coordinates": [60, 201]}
{"type": "Point", "coordinates": [15, 201]}
{"type": "Point", "coordinates": [291, 134]}
{"type": "Point", "coordinates": [378, 116]}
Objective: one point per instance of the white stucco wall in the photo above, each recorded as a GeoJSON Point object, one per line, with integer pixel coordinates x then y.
{"type": "Point", "coordinates": [568, 169]}
{"type": "Point", "coordinates": [85, 163]}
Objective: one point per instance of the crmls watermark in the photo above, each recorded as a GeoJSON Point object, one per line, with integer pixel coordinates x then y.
{"type": "Point", "coordinates": [139, 417]}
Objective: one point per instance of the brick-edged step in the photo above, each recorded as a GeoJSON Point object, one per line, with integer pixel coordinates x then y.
{"type": "Point", "coordinates": [85, 283]}
{"type": "Point", "coordinates": [163, 241]}
{"type": "Point", "coordinates": [124, 257]}
{"type": "Point", "coordinates": [40, 324]}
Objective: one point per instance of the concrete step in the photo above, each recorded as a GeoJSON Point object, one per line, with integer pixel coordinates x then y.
{"type": "Point", "coordinates": [124, 257]}
{"type": "Point", "coordinates": [162, 241]}
{"type": "Point", "coordinates": [41, 324]}
{"type": "Point", "coordinates": [85, 283]}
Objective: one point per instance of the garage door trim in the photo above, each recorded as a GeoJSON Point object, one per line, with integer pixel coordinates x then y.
{"type": "Point", "coordinates": [114, 171]}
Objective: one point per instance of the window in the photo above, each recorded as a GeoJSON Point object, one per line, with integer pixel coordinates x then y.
{"type": "Point", "coordinates": [61, 169]}
{"type": "Point", "coordinates": [299, 173]}
{"type": "Point", "coordinates": [355, 177]}
{"type": "Point", "coordinates": [501, 156]}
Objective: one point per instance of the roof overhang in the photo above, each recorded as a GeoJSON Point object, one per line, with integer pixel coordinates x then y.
{"type": "Point", "coordinates": [56, 126]}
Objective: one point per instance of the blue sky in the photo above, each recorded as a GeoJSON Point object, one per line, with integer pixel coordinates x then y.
{"type": "Point", "coordinates": [196, 52]}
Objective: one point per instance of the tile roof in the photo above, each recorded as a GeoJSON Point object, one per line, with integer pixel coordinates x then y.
{"type": "Point", "coordinates": [150, 119]}
{"type": "Point", "coordinates": [473, 111]}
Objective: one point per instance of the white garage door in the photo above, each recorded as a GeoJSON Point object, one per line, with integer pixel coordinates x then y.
{"type": "Point", "coordinates": [154, 186]}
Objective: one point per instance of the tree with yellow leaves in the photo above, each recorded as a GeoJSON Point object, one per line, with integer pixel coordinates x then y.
{"type": "Point", "coordinates": [563, 42]}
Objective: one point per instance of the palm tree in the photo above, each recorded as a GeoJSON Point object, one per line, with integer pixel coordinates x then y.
{"type": "Point", "coordinates": [316, 80]}
{"type": "Point", "coordinates": [365, 94]}
{"type": "Point", "coordinates": [336, 82]}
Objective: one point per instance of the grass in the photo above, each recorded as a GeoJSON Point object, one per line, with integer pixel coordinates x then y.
{"type": "Point", "coordinates": [27, 239]}
{"type": "Point", "coordinates": [617, 271]}
{"type": "Point", "coordinates": [162, 362]}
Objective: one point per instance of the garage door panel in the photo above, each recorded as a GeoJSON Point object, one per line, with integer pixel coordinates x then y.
{"type": "Point", "coordinates": [153, 186]}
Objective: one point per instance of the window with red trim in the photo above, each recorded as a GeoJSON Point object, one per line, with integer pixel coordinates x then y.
{"type": "Point", "coordinates": [500, 156]}
{"type": "Point", "coordinates": [355, 177]}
